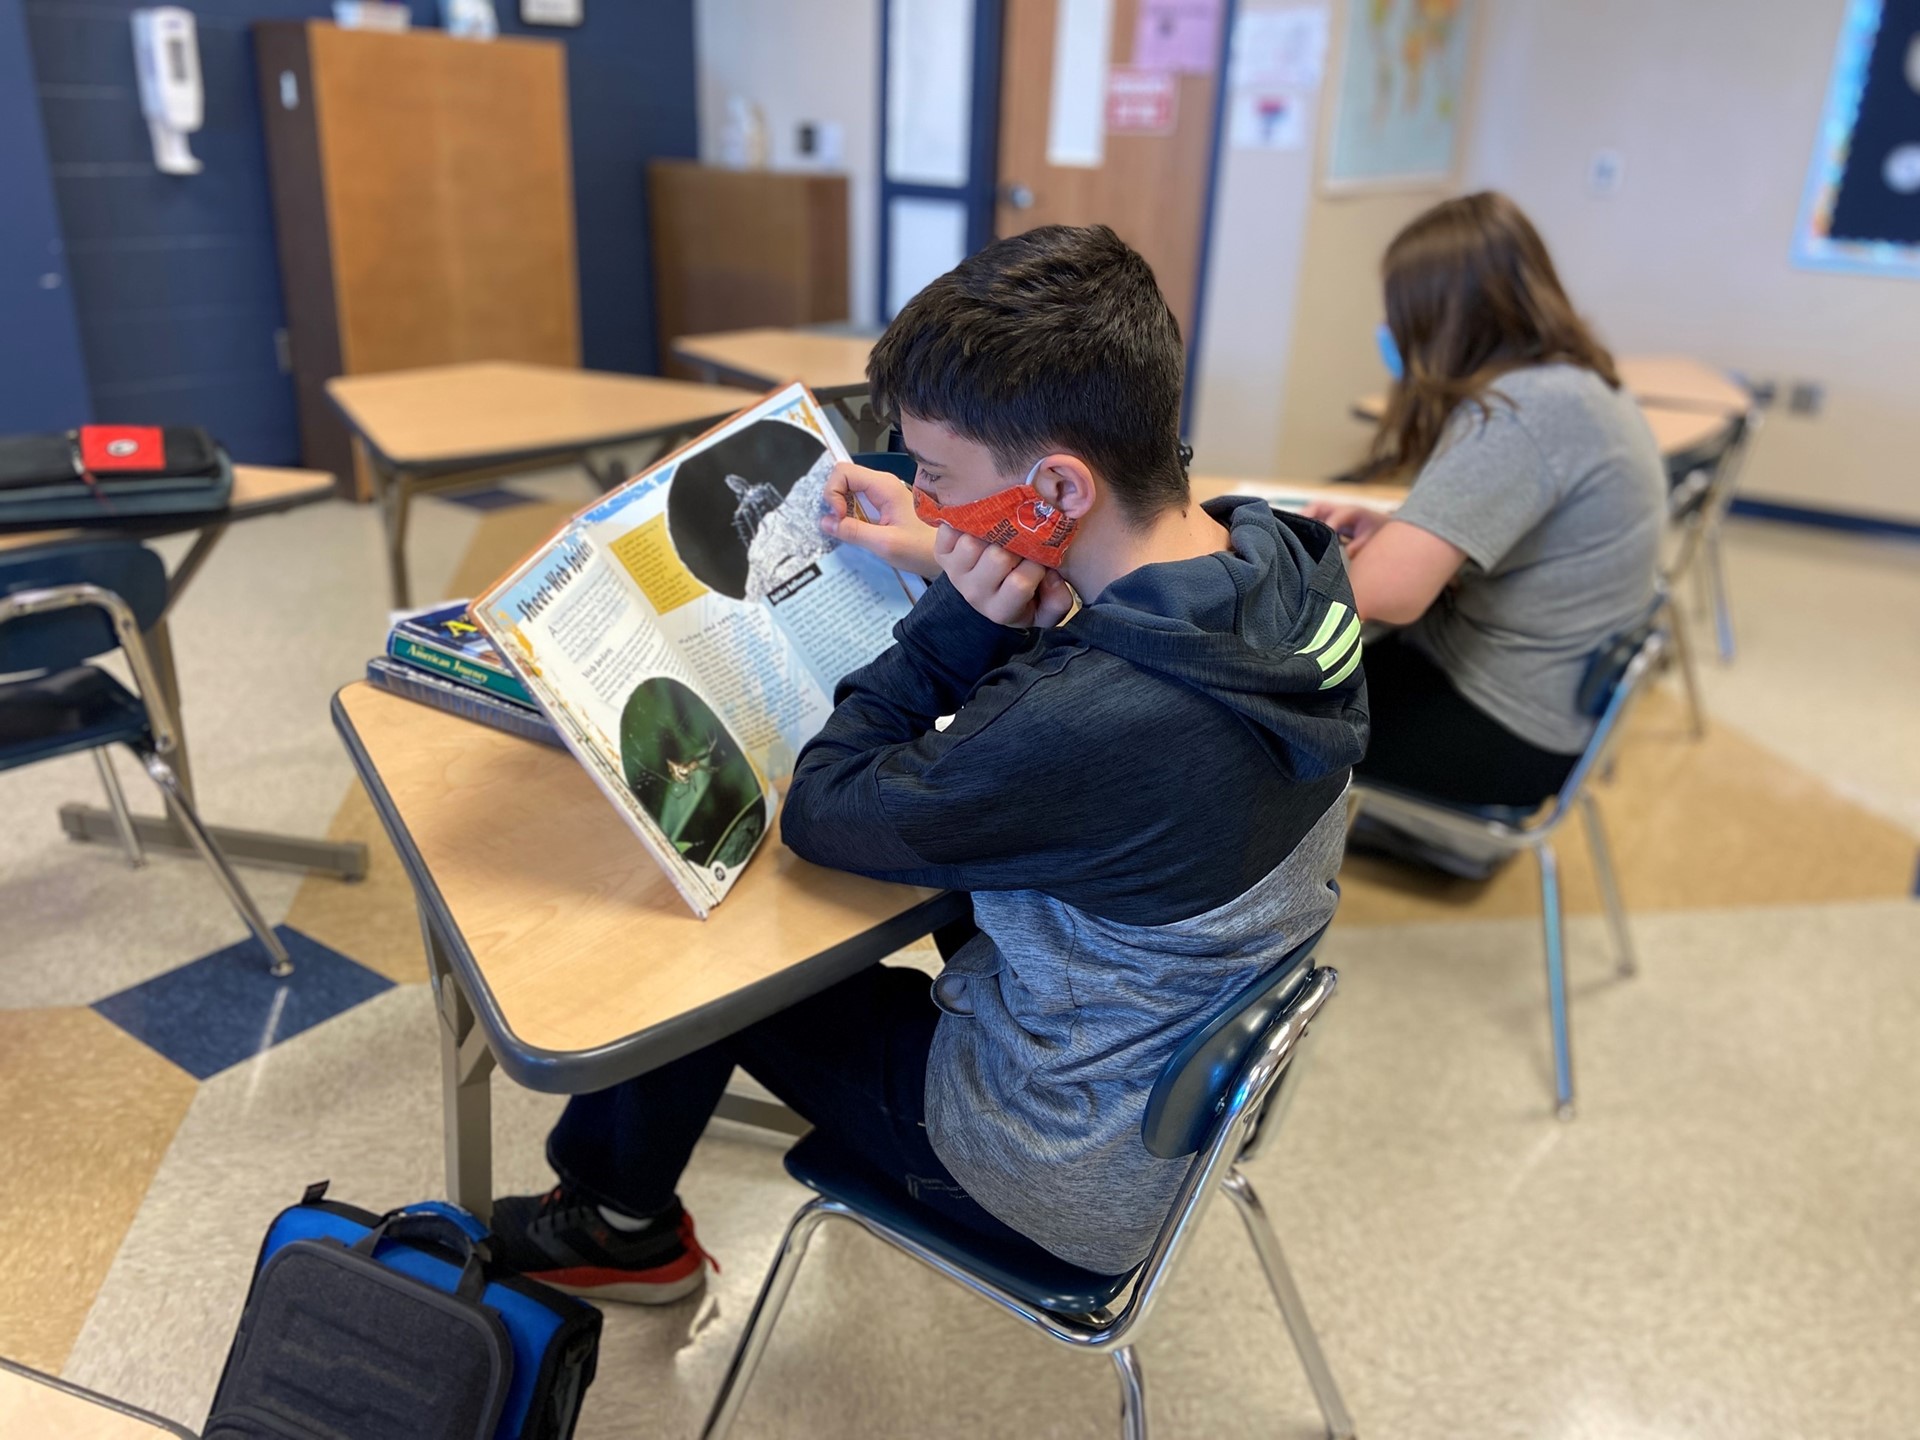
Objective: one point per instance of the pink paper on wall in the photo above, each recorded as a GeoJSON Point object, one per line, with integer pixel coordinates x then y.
{"type": "Point", "coordinates": [1178, 35]}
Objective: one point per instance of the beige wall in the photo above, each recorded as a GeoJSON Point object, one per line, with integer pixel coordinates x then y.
{"type": "Point", "coordinates": [801, 60]}
{"type": "Point", "coordinates": [1293, 299]}
{"type": "Point", "coordinates": [1714, 104]}
{"type": "Point", "coordinates": [1249, 311]}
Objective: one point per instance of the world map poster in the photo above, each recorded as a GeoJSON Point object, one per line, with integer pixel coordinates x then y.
{"type": "Point", "coordinates": [1401, 92]}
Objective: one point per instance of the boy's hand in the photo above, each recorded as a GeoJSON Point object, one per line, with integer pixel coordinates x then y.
{"type": "Point", "coordinates": [999, 584]}
{"type": "Point", "coordinates": [895, 534]}
{"type": "Point", "coordinates": [1355, 524]}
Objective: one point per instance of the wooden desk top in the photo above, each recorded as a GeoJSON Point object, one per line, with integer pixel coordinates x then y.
{"type": "Point", "coordinates": [1680, 431]}
{"type": "Point", "coordinates": [1679, 382]}
{"type": "Point", "coordinates": [257, 490]}
{"type": "Point", "coordinates": [1282, 492]}
{"type": "Point", "coordinates": [33, 1407]}
{"type": "Point", "coordinates": [500, 411]}
{"type": "Point", "coordinates": [1673, 382]}
{"type": "Point", "coordinates": [576, 937]}
{"type": "Point", "coordinates": [1677, 428]}
{"type": "Point", "coordinates": [771, 358]}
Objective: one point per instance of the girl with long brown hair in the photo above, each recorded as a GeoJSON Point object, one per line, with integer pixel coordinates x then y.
{"type": "Point", "coordinates": [1532, 529]}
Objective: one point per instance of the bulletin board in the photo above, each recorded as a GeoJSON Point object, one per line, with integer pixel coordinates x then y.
{"type": "Point", "coordinates": [1862, 209]}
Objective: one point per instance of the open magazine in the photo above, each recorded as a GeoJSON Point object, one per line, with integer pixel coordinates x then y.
{"type": "Point", "coordinates": [686, 632]}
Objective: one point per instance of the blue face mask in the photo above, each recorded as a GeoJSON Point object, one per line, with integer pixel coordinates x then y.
{"type": "Point", "coordinates": [1389, 352]}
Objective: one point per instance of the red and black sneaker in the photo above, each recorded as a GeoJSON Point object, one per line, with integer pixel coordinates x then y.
{"type": "Point", "coordinates": [561, 1239]}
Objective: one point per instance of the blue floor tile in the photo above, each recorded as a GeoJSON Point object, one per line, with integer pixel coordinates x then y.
{"type": "Point", "coordinates": [496, 497]}
{"type": "Point", "coordinates": [224, 1008]}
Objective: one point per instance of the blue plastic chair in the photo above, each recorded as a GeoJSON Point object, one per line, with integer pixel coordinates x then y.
{"type": "Point", "coordinates": [1220, 1096]}
{"type": "Point", "coordinates": [1615, 676]}
{"type": "Point", "coordinates": [59, 608]}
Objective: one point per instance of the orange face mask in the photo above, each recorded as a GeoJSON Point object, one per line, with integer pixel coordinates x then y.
{"type": "Point", "coordinates": [1015, 518]}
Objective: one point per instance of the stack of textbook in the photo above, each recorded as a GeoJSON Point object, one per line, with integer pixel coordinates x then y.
{"type": "Point", "coordinates": [441, 658]}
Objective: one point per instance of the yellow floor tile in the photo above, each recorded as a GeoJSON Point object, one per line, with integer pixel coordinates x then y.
{"type": "Point", "coordinates": [89, 1114]}
{"type": "Point", "coordinates": [1717, 823]}
{"type": "Point", "coordinates": [374, 921]}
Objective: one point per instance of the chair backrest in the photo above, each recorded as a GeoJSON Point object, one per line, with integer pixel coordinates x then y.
{"type": "Point", "coordinates": [1191, 1094]}
{"type": "Point", "coordinates": [1614, 676]}
{"type": "Point", "coordinates": [60, 639]}
{"type": "Point", "coordinates": [1263, 1028]}
{"type": "Point", "coordinates": [1703, 460]}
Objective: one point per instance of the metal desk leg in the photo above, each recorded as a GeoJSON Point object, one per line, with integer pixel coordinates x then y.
{"type": "Point", "coordinates": [466, 1096]}
{"type": "Point", "coordinates": [160, 648]}
{"type": "Point", "coordinates": [396, 490]}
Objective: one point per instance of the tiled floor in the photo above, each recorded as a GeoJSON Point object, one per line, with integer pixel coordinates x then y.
{"type": "Point", "coordinates": [1722, 1245]}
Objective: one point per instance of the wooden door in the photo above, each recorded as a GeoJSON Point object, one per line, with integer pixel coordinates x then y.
{"type": "Point", "coordinates": [1151, 188]}
{"type": "Point", "coordinates": [449, 198]}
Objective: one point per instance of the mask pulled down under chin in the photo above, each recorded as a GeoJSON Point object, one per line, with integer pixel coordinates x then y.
{"type": "Point", "coordinates": [1015, 518]}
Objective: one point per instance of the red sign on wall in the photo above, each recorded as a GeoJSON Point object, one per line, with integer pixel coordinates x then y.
{"type": "Point", "coordinates": [1141, 102]}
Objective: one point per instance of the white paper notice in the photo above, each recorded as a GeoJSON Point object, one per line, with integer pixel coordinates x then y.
{"type": "Point", "coordinates": [1279, 50]}
{"type": "Point", "coordinates": [1076, 121]}
{"type": "Point", "coordinates": [929, 91]}
{"type": "Point", "coordinates": [1266, 120]}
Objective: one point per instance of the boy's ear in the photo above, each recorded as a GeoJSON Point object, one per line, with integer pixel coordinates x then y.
{"type": "Point", "coordinates": [1067, 483]}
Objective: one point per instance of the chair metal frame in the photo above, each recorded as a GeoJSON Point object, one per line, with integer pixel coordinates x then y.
{"type": "Point", "coordinates": [1249, 1114]}
{"type": "Point", "coordinates": [160, 726]}
{"type": "Point", "coordinates": [1699, 506]}
{"type": "Point", "coordinates": [1536, 834]}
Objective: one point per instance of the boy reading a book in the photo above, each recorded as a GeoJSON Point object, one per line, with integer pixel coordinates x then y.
{"type": "Point", "coordinates": [1144, 799]}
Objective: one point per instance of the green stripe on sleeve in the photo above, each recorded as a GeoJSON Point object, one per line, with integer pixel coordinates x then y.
{"type": "Point", "coordinates": [1335, 613]}
{"type": "Point", "coordinates": [1334, 652]}
{"type": "Point", "coordinates": [1353, 662]}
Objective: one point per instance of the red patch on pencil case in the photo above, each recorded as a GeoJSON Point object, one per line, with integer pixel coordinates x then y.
{"type": "Point", "coordinates": [110, 449]}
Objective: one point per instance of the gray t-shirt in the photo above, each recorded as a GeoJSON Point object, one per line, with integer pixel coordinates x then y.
{"type": "Point", "coordinates": [1557, 497]}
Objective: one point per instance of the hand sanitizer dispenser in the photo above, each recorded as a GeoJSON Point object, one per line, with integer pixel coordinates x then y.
{"type": "Point", "coordinates": [166, 54]}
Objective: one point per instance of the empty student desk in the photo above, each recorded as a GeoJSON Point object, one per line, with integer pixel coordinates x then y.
{"type": "Point", "coordinates": [557, 945]}
{"type": "Point", "coordinates": [38, 1407]}
{"type": "Point", "coordinates": [257, 491]}
{"type": "Point", "coordinates": [1679, 382]}
{"type": "Point", "coordinates": [453, 424]}
{"type": "Point", "coordinates": [1678, 429]}
{"type": "Point", "coordinates": [830, 362]}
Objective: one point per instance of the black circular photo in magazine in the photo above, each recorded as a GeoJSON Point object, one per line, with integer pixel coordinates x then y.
{"type": "Point", "coordinates": [719, 500]}
{"type": "Point", "coordinates": [689, 774]}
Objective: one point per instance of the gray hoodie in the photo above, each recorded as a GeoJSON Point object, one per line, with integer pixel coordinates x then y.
{"type": "Point", "coordinates": [1145, 805]}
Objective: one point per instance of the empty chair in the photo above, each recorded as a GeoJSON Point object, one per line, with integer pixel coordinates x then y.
{"type": "Point", "coordinates": [1218, 1099]}
{"type": "Point", "coordinates": [1614, 678]}
{"type": "Point", "coordinates": [59, 608]}
{"type": "Point", "coordinates": [1704, 484]}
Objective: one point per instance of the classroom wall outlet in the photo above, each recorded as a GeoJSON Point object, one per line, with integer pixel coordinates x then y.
{"type": "Point", "coordinates": [1806, 397]}
{"type": "Point", "coordinates": [823, 142]}
{"type": "Point", "coordinates": [1605, 171]}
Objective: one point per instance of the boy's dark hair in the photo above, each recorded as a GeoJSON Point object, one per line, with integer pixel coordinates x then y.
{"type": "Point", "coordinates": [1055, 339]}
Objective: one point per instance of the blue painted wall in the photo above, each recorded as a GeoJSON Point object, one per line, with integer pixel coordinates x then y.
{"type": "Point", "coordinates": [175, 279]}
{"type": "Point", "coordinates": [43, 385]}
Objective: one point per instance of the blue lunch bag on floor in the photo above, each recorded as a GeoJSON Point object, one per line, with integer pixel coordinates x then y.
{"type": "Point", "coordinates": [398, 1327]}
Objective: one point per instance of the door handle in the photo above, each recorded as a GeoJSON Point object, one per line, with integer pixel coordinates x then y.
{"type": "Point", "coordinates": [1016, 196]}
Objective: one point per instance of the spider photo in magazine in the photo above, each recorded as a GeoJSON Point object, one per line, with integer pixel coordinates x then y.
{"type": "Point", "coordinates": [744, 515]}
{"type": "Point", "coordinates": [687, 771]}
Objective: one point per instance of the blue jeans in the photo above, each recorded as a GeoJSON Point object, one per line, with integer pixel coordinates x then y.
{"type": "Point", "coordinates": [852, 1061]}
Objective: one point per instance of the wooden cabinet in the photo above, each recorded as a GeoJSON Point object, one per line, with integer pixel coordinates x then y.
{"type": "Point", "coordinates": [423, 198]}
{"type": "Point", "coordinates": [741, 249]}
